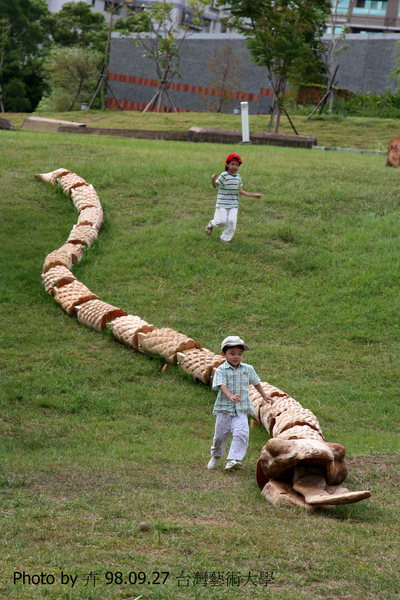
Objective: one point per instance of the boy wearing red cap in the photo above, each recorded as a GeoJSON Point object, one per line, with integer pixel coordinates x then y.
{"type": "Point", "coordinates": [230, 187]}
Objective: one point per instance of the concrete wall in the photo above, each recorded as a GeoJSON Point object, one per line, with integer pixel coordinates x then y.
{"type": "Point", "coordinates": [134, 79]}
{"type": "Point", "coordinates": [364, 67]}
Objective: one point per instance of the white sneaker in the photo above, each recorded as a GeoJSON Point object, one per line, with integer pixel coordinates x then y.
{"type": "Point", "coordinates": [234, 465]}
{"type": "Point", "coordinates": [213, 464]}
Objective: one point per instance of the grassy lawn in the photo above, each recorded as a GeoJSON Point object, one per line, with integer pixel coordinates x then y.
{"type": "Point", "coordinates": [95, 438]}
{"type": "Point", "coordinates": [352, 132]}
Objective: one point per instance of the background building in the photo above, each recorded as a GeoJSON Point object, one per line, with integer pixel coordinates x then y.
{"type": "Point", "coordinates": [367, 16]}
{"type": "Point", "coordinates": [181, 13]}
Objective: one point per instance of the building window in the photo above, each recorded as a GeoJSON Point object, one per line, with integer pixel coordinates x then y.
{"type": "Point", "coordinates": [341, 7]}
{"type": "Point", "coordinates": [375, 8]}
{"type": "Point", "coordinates": [207, 26]}
{"type": "Point", "coordinates": [187, 19]}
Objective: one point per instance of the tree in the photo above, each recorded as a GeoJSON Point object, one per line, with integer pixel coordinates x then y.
{"type": "Point", "coordinates": [278, 31]}
{"type": "Point", "coordinates": [4, 33]}
{"type": "Point", "coordinates": [328, 48]}
{"type": "Point", "coordinates": [24, 40]}
{"type": "Point", "coordinates": [164, 44]}
{"type": "Point", "coordinates": [72, 74]}
{"type": "Point", "coordinates": [132, 23]}
{"type": "Point", "coordinates": [77, 25]}
{"type": "Point", "coordinates": [226, 76]}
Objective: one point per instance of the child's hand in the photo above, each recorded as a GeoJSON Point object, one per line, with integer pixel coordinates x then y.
{"type": "Point", "coordinates": [258, 196]}
{"type": "Point", "coordinates": [269, 399]}
{"type": "Point", "coordinates": [214, 176]}
{"type": "Point", "coordinates": [235, 398]}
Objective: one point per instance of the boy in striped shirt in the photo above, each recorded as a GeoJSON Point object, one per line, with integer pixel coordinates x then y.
{"type": "Point", "coordinates": [232, 380]}
{"type": "Point", "coordinates": [230, 187]}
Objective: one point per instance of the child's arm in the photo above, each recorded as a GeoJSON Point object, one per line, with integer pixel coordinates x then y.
{"type": "Point", "coordinates": [260, 390]}
{"type": "Point", "coordinates": [243, 193]}
{"type": "Point", "coordinates": [213, 178]}
{"type": "Point", "coordinates": [227, 393]}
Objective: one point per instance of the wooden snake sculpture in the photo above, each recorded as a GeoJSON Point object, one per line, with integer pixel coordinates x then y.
{"type": "Point", "coordinates": [297, 466]}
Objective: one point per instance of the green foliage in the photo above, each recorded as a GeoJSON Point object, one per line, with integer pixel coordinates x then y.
{"type": "Point", "coordinates": [76, 24]}
{"type": "Point", "coordinates": [373, 105]}
{"type": "Point", "coordinates": [71, 74]}
{"type": "Point", "coordinates": [279, 31]}
{"type": "Point", "coordinates": [15, 93]}
{"type": "Point", "coordinates": [133, 23]}
{"type": "Point", "coordinates": [24, 38]}
{"type": "Point", "coordinates": [364, 104]}
{"type": "Point", "coordinates": [307, 69]}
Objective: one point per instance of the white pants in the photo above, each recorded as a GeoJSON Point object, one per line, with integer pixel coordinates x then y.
{"type": "Point", "coordinates": [226, 426]}
{"type": "Point", "coordinates": [226, 218]}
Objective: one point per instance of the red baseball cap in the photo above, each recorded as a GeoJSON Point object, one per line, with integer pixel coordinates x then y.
{"type": "Point", "coordinates": [234, 157]}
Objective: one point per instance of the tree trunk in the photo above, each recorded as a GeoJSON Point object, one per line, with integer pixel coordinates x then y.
{"type": "Point", "coordinates": [278, 119]}
{"type": "Point", "coordinates": [330, 103]}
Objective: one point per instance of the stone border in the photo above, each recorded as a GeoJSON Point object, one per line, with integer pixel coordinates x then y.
{"type": "Point", "coordinates": [199, 134]}
{"type": "Point", "coordinates": [354, 150]}
{"type": "Point", "coordinates": [45, 124]}
{"type": "Point", "coordinates": [145, 134]}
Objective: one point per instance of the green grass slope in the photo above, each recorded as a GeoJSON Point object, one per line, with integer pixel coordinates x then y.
{"type": "Point", "coordinates": [363, 133]}
{"type": "Point", "coordinates": [95, 438]}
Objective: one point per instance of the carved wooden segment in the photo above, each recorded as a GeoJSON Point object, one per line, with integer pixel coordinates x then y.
{"type": "Point", "coordinates": [52, 176]}
{"type": "Point", "coordinates": [300, 432]}
{"type": "Point", "coordinates": [259, 402]}
{"type": "Point", "coordinates": [56, 278]}
{"type": "Point", "coordinates": [279, 457]}
{"type": "Point", "coordinates": [73, 294]}
{"type": "Point", "coordinates": [266, 413]}
{"type": "Point", "coordinates": [293, 417]}
{"type": "Point", "coordinates": [82, 234]}
{"type": "Point", "coordinates": [311, 484]}
{"type": "Point", "coordinates": [270, 390]}
{"type": "Point", "coordinates": [85, 196]}
{"type": "Point", "coordinates": [66, 256]}
{"type": "Point", "coordinates": [199, 363]}
{"type": "Point", "coordinates": [280, 492]}
{"type": "Point", "coordinates": [393, 155]}
{"type": "Point", "coordinates": [213, 373]}
{"type": "Point", "coordinates": [341, 495]}
{"type": "Point", "coordinates": [167, 342]}
{"type": "Point", "coordinates": [126, 329]}
{"type": "Point", "coordinates": [269, 413]}
{"type": "Point", "coordinates": [96, 313]}
{"type": "Point", "coordinates": [91, 216]}
{"type": "Point", "coordinates": [336, 471]}
{"type": "Point", "coordinates": [261, 477]}
{"type": "Point", "coordinates": [70, 181]}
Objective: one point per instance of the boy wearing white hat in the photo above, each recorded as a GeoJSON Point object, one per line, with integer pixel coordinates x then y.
{"type": "Point", "coordinates": [232, 380]}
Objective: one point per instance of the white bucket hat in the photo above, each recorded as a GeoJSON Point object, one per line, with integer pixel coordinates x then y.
{"type": "Point", "coordinates": [233, 340]}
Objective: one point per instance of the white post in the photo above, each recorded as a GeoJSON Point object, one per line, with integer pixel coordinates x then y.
{"type": "Point", "coordinates": [244, 107]}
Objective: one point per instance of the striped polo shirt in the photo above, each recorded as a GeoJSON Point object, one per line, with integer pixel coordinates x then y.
{"type": "Point", "coordinates": [238, 382]}
{"type": "Point", "coordinates": [228, 192]}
